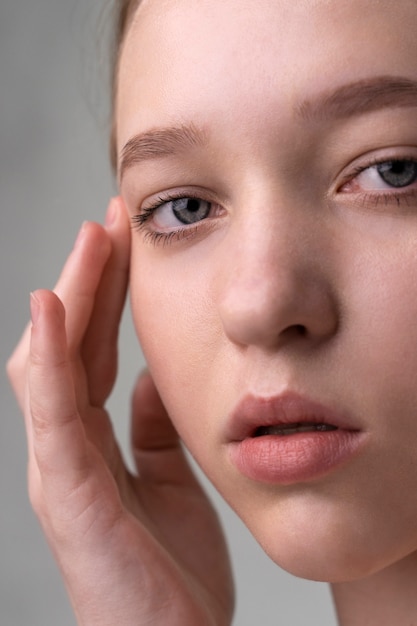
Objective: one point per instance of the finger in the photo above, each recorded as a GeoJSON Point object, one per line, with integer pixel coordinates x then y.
{"type": "Point", "coordinates": [17, 366]}
{"type": "Point", "coordinates": [157, 449]}
{"type": "Point", "coordinates": [17, 370]}
{"type": "Point", "coordinates": [100, 342]}
{"type": "Point", "coordinates": [58, 436]}
{"type": "Point", "coordinates": [78, 282]}
{"type": "Point", "coordinates": [76, 288]}
{"type": "Point", "coordinates": [76, 492]}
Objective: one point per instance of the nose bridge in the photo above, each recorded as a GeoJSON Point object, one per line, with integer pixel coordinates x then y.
{"type": "Point", "coordinates": [264, 260]}
{"type": "Point", "coordinates": [274, 284]}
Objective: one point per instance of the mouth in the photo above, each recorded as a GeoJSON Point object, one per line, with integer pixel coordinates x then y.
{"type": "Point", "coordinates": [284, 430]}
{"type": "Point", "coordinates": [284, 415]}
{"type": "Point", "coordinates": [289, 439]}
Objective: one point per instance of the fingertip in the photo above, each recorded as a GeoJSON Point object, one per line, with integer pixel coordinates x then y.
{"type": "Point", "coordinates": [144, 373]}
{"type": "Point", "coordinates": [45, 303]}
{"type": "Point", "coordinates": [119, 202]}
{"type": "Point", "coordinates": [114, 211]}
{"type": "Point", "coordinates": [144, 384]}
{"type": "Point", "coordinates": [48, 345]}
{"type": "Point", "coordinates": [44, 298]}
{"type": "Point", "coordinates": [34, 307]}
{"type": "Point", "coordinates": [93, 240]}
{"type": "Point", "coordinates": [146, 398]}
{"type": "Point", "coordinates": [80, 235]}
{"type": "Point", "coordinates": [116, 215]}
{"type": "Point", "coordinates": [111, 213]}
{"type": "Point", "coordinates": [156, 444]}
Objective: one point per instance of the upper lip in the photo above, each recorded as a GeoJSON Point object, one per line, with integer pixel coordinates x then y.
{"type": "Point", "coordinates": [253, 412]}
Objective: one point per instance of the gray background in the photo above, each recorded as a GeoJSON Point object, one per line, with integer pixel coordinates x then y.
{"type": "Point", "coordinates": [54, 173]}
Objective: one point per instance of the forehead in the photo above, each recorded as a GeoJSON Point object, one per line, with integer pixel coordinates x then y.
{"type": "Point", "coordinates": [185, 59]}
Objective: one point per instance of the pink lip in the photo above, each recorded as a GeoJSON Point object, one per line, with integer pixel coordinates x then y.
{"type": "Point", "coordinates": [292, 458]}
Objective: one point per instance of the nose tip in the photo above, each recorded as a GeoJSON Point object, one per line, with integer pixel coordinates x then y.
{"type": "Point", "coordinates": [278, 306]}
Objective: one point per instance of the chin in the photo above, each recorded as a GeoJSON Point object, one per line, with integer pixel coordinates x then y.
{"type": "Point", "coordinates": [312, 563]}
{"type": "Point", "coordinates": [325, 545]}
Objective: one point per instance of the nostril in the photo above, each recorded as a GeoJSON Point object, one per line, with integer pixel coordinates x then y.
{"type": "Point", "coordinates": [300, 330]}
{"type": "Point", "coordinates": [294, 332]}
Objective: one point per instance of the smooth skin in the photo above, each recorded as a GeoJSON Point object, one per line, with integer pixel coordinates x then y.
{"type": "Point", "coordinates": [301, 278]}
{"type": "Point", "coordinates": [123, 543]}
{"type": "Point", "coordinates": [132, 550]}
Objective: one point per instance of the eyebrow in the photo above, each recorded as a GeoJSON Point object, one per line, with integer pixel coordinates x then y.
{"type": "Point", "coordinates": [362, 96]}
{"type": "Point", "coordinates": [160, 142]}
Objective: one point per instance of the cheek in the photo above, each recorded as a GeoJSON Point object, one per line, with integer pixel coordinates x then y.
{"type": "Point", "coordinates": [375, 358]}
{"type": "Point", "coordinates": [178, 328]}
{"type": "Point", "coordinates": [384, 330]}
{"type": "Point", "coordinates": [378, 362]}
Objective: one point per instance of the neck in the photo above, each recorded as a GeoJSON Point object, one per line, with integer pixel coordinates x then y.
{"type": "Point", "coordinates": [383, 599]}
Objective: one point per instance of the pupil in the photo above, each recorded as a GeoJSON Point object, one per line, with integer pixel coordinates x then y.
{"type": "Point", "coordinates": [193, 205]}
{"type": "Point", "coordinates": [398, 173]}
{"type": "Point", "coordinates": [190, 210]}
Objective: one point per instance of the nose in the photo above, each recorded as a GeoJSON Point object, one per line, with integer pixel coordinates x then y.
{"type": "Point", "coordinates": [275, 286]}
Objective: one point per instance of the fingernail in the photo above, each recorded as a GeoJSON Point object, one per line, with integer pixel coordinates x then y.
{"type": "Point", "coordinates": [111, 213]}
{"type": "Point", "coordinates": [34, 308]}
{"type": "Point", "coordinates": [80, 235]}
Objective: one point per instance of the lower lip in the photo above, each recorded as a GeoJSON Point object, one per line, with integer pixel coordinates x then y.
{"type": "Point", "coordinates": [294, 458]}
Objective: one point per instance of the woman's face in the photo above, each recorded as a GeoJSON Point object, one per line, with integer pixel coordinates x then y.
{"type": "Point", "coordinates": [274, 289]}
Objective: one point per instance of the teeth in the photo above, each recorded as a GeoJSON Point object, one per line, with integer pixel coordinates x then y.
{"type": "Point", "coordinates": [293, 429]}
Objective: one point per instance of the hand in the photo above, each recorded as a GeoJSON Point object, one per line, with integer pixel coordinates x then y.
{"type": "Point", "coordinates": [133, 549]}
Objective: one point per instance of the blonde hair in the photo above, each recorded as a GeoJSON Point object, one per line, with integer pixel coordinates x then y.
{"type": "Point", "coordinates": [124, 12]}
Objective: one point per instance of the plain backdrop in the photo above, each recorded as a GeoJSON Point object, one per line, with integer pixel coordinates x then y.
{"type": "Point", "coordinates": [54, 173]}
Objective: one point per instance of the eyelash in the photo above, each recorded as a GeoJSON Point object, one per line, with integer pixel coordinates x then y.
{"type": "Point", "coordinates": [386, 198]}
{"type": "Point", "coordinates": [140, 220]}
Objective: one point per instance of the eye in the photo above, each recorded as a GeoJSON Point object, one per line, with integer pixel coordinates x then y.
{"type": "Point", "coordinates": [176, 216]}
{"type": "Point", "coordinates": [172, 213]}
{"type": "Point", "coordinates": [392, 174]}
{"type": "Point", "coordinates": [398, 173]}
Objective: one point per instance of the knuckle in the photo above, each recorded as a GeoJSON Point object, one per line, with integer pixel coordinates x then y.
{"type": "Point", "coordinates": [39, 359]}
{"type": "Point", "coordinates": [17, 378]}
{"type": "Point", "coordinates": [14, 369]}
{"type": "Point", "coordinates": [41, 423]}
{"type": "Point", "coordinates": [17, 361]}
{"type": "Point", "coordinates": [45, 422]}
{"type": "Point", "coordinates": [36, 499]}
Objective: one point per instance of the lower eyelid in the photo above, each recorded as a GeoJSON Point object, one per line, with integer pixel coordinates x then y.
{"type": "Point", "coordinates": [142, 223]}
{"type": "Point", "coordinates": [192, 232]}
{"type": "Point", "coordinates": [381, 201]}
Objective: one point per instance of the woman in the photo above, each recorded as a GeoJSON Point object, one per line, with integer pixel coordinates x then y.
{"type": "Point", "coordinates": [267, 159]}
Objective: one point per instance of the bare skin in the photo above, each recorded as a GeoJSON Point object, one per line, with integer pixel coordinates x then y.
{"type": "Point", "coordinates": [154, 540]}
{"type": "Point", "coordinates": [388, 597]}
{"type": "Point", "coordinates": [148, 549]}
{"type": "Point", "coordinates": [132, 550]}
